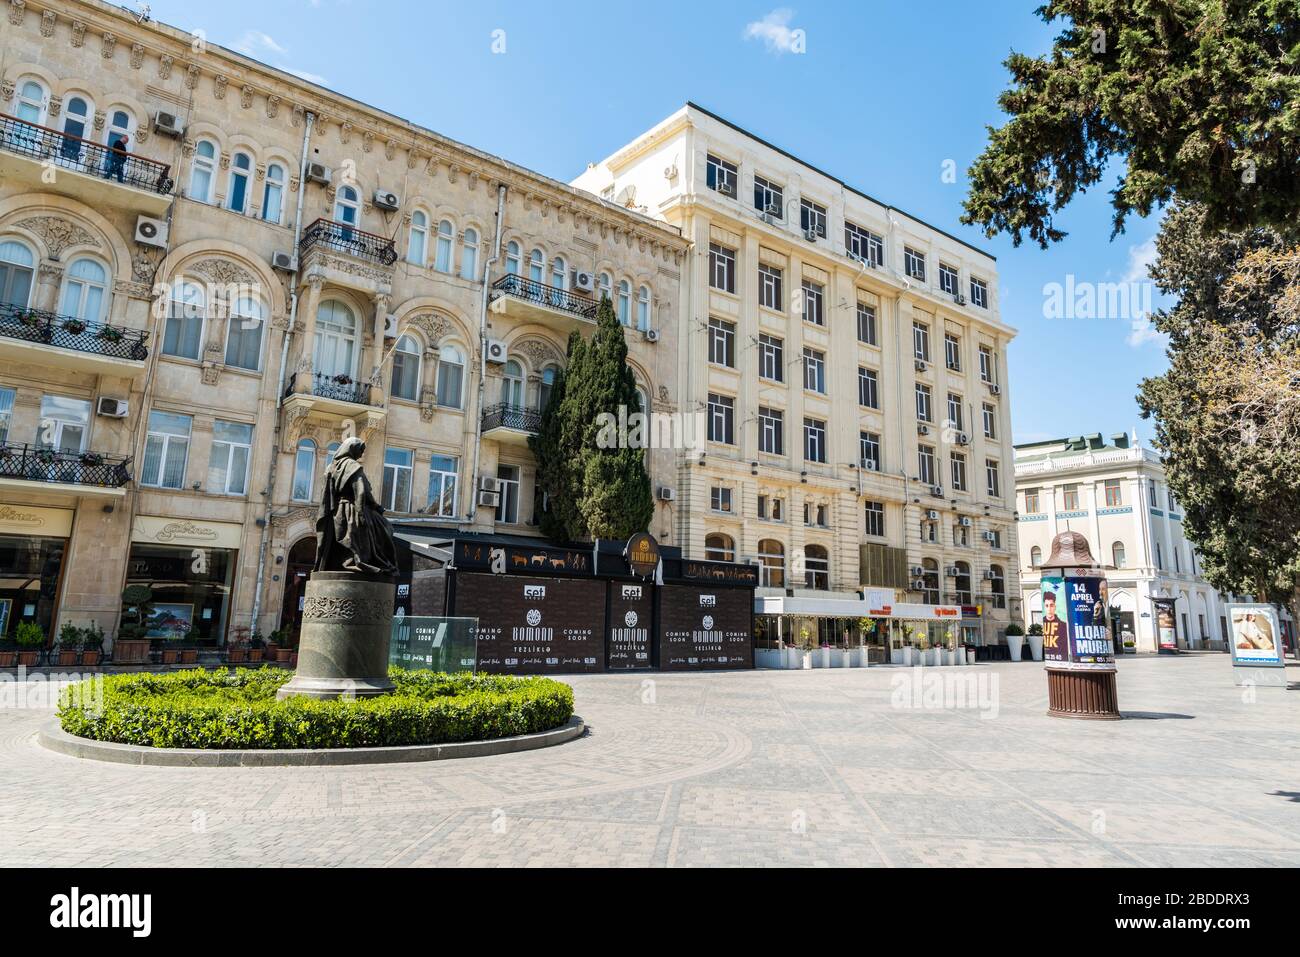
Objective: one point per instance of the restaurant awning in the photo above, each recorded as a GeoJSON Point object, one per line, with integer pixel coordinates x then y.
{"type": "Point", "coordinates": [851, 608]}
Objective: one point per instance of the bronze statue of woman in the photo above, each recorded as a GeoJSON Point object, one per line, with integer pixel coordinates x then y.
{"type": "Point", "coordinates": [352, 534]}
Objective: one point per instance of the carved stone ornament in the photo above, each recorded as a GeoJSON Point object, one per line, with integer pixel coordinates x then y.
{"type": "Point", "coordinates": [58, 234]}
{"type": "Point", "coordinates": [142, 267]}
{"type": "Point", "coordinates": [109, 46]}
{"type": "Point", "coordinates": [219, 86]}
{"type": "Point", "coordinates": [272, 106]}
{"type": "Point", "coordinates": [246, 96]}
{"type": "Point", "coordinates": [434, 327]}
{"type": "Point", "coordinates": [165, 67]}
{"type": "Point", "coordinates": [191, 76]}
{"type": "Point", "coordinates": [137, 55]}
{"type": "Point", "coordinates": [223, 272]}
{"type": "Point", "coordinates": [78, 33]}
{"type": "Point", "coordinates": [358, 610]}
{"type": "Point", "coordinates": [48, 19]}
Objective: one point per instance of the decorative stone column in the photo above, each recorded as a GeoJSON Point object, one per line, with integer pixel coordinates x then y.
{"type": "Point", "coordinates": [307, 335]}
{"type": "Point", "coordinates": [347, 621]}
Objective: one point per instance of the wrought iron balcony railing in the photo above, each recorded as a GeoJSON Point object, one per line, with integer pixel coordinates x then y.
{"type": "Point", "coordinates": [340, 237]}
{"type": "Point", "coordinates": [69, 332]}
{"type": "Point", "coordinates": [339, 388]}
{"type": "Point", "coordinates": [83, 156]}
{"type": "Point", "coordinates": [503, 416]}
{"type": "Point", "coordinates": [544, 295]}
{"type": "Point", "coordinates": [34, 463]}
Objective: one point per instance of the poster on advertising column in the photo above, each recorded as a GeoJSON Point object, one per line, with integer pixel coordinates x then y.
{"type": "Point", "coordinates": [1086, 595]}
{"type": "Point", "coordinates": [1256, 636]}
{"type": "Point", "coordinates": [1166, 625]}
{"type": "Point", "coordinates": [1055, 633]}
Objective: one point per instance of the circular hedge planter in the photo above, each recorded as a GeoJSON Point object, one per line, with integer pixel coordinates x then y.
{"type": "Point", "coordinates": [226, 710]}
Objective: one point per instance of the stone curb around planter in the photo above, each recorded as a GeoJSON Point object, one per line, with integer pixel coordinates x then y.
{"type": "Point", "coordinates": [55, 738]}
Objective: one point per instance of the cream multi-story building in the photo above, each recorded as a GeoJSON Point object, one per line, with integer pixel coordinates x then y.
{"type": "Point", "coordinates": [188, 328]}
{"type": "Point", "coordinates": [1115, 494]}
{"type": "Point", "coordinates": [851, 363]}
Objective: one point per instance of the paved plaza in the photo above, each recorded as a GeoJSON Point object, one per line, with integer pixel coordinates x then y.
{"type": "Point", "coordinates": [835, 767]}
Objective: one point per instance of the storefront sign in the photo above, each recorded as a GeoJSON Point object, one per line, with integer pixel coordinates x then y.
{"type": "Point", "coordinates": [642, 554]}
{"type": "Point", "coordinates": [517, 560]}
{"type": "Point", "coordinates": [186, 532]}
{"type": "Point", "coordinates": [535, 625]}
{"type": "Point", "coordinates": [721, 572]}
{"type": "Point", "coordinates": [35, 520]}
{"type": "Point", "coordinates": [925, 612]}
{"type": "Point", "coordinates": [702, 628]}
{"type": "Point", "coordinates": [1256, 636]}
{"type": "Point", "coordinates": [631, 615]}
{"type": "Point", "coordinates": [880, 601]}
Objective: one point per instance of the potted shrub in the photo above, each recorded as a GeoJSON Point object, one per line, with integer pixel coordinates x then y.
{"type": "Point", "coordinates": [283, 650]}
{"type": "Point", "coordinates": [1035, 638]}
{"type": "Point", "coordinates": [237, 651]}
{"type": "Point", "coordinates": [1015, 639]}
{"type": "Point", "coordinates": [69, 645]}
{"type": "Point", "coordinates": [8, 652]}
{"type": "Point", "coordinates": [91, 459]}
{"type": "Point", "coordinates": [171, 651]}
{"type": "Point", "coordinates": [908, 652]}
{"type": "Point", "coordinates": [865, 627]}
{"type": "Point", "coordinates": [189, 649]}
{"type": "Point", "coordinates": [31, 639]}
{"type": "Point", "coordinates": [92, 644]}
{"type": "Point", "coordinates": [132, 645]}
{"type": "Point", "coordinates": [255, 644]}
{"type": "Point", "coordinates": [110, 334]}
{"type": "Point", "coordinates": [74, 327]}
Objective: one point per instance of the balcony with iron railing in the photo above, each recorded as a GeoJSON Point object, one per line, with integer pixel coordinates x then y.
{"type": "Point", "coordinates": [531, 300]}
{"type": "Point", "coordinates": [91, 166]}
{"type": "Point", "coordinates": [336, 388]}
{"type": "Point", "coordinates": [510, 423]}
{"type": "Point", "coordinates": [49, 339]}
{"type": "Point", "coordinates": [326, 234]}
{"type": "Point", "coordinates": [84, 473]}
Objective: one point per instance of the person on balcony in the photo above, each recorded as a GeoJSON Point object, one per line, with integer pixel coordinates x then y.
{"type": "Point", "coordinates": [117, 158]}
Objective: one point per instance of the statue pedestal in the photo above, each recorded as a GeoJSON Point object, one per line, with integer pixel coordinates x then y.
{"type": "Point", "coordinates": [347, 620]}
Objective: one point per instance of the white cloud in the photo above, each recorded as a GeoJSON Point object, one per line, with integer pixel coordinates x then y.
{"type": "Point", "coordinates": [1140, 258]}
{"type": "Point", "coordinates": [775, 31]}
{"type": "Point", "coordinates": [255, 42]}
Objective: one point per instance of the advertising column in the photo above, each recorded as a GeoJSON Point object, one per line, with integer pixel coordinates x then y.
{"type": "Point", "coordinates": [1166, 626]}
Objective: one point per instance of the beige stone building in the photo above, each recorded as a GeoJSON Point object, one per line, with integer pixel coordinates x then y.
{"type": "Point", "coordinates": [189, 327]}
{"type": "Point", "coordinates": [851, 361]}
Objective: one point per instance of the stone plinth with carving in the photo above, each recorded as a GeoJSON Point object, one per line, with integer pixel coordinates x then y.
{"type": "Point", "coordinates": [347, 621]}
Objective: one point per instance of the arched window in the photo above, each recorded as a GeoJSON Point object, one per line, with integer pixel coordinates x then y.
{"type": "Point", "coordinates": [334, 351]}
{"type": "Point", "coordinates": [241, 168]}
{"type": "Point", "coordinates": [643, 308]}
{"type": "Point", "coordinates": [930, 576]}
{"type": "Point", "coordinates": [347, 206]}
{"type": "Point", "coordinates": [719, 548]}
{"type": "Point", "coordinates": [304, 470]}
{"type": "Point", "coordinates": [418, 243]}
{"type": "Point", "coordinates": [961, 583]}
{"type": "Point", "coordinates": [202, 171]}
{"type": "Point", "coordinates": [330, 451]}
{"type": "Point", "coordinates": [17, 266]}
{"type": "Point", "coordinates": [536, 266]}
{"type": "Point", "coordinates": [183, 332]}
{"type": "Point", "coordinates": [514, 258]}
{"type": "Point", "coordinates": [244, 334]}
{"type": "Point", "coordinates": [451, 372]}
{"type": "Point", "coordinates": [76, 122]}
{"type": "Point", "coordinates": [512, 385]}
{"type": "Point", "coordinates": [998, 586]}
{"type": "Point", "coordinates": [120, 124]}
{"type": "Point", "coordinates": [559, 275]}
{"type": "Point", "coordinates": [546, 386]}
{"type": "Point", "coordinates": [31, 102]}
{"type": "Point", "coordinates": [1117, 554]}
{"type": "Point", "coordinates": [442, 257]}
{"type": "Point", "coordinates": [1035, 557]}
{"type": "Point", "coordinates": [85, 291]}
{"type": "Point", "coordinates": [406, 369]}
{"type": "Point", "coordinates": [624, 301]}
{"type": "Point", "coordinates": [469, 255]}
{"type": "Point", "coordinates": [817, 568]}
{"type": "Point", "coordinates": [642, 396]}
{"type": "Point", "coordinates": [273, 194]}
{"type": "Point", "coordinates": [605, 288]}
{"type": "Point", "coordinates": [771, 557]}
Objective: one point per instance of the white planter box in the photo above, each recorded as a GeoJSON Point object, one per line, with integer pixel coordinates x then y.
{"type": "Point", "coordinates": [862, 657]}
{"type": "Point", "coordinates": [1036, 647]}
{"type": "Point", "coordinates": [1013, 646]}
{"type": "Point", "coordinates": [910, 657]}
{"type": "Point", "coordinates": [970, 656]}
{"type": "Point", "coordinates": [769, 657]}
{"type": "Point", "coordinates": [896, 656]}
{"type": "Point", "coordinates": [796, 659]}
{"type": "Point", "coordinates": [841, 657]}
{"type": "Point", "coordinates": [822, 658]}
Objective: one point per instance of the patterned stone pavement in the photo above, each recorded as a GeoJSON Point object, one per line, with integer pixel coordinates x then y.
{"type": "Point", "coordinates": [756, 769]}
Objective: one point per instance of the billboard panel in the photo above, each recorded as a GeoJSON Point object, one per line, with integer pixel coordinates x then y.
{"type": "Point", "coordinates": [530, 626]}
{"type": "Point", "coordinates": [705, 628]}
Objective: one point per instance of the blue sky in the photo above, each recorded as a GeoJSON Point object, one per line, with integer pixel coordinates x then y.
{"type": "Point", "coordinates": [882, 96]}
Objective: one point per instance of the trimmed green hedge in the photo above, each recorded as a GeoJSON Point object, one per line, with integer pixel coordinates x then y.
{"type": "Point", "coordinates": [225, 710]}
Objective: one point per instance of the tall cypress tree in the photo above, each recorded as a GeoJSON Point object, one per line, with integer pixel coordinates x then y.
{"type": "Point", "coordinates": [592, 492]}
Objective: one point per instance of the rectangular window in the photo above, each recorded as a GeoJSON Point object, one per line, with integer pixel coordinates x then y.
{"type": "Point", "coordinates": [1031, 501]}
{"type": "Point", "coordinates": [508, 505]}
{"type": "Point", "coordinates": [991, 473]}
{"type": "Point", "coordinates": [6, 413]}
{"type": "Point", "coordinates": [812, 218]}
{"type": "Point", "coordinates": [914, 263]}
{"type": "Point", "coordinates": [990, 421]}
{"type": "Point", "coordinates": [868, 388]}
{"type": "Point", "coordinates": [1114, 496]}
{"type": "Point", "coordinates": [166, 448]}
{"type": "Point", "coordinates": [958, 471]}
{"type": "Point", "coordinates": [1151, 495]}
{"type": "Point", "coordinates": [948, 281]}
{"type": "Point", "coordinates": [979, 292]}
{"type": "Point", "coordinates": [771, 358]}
{"type": "Point", "coordinates": [397, 479]}
{"type": "Point", "coordinates": [869, 451]}
{"type": "Point", "coordinates": [769, 198]}
{"type": "Point", "coordinates": [952, 351]}
{"type": "Point", "coordinates": [769, 286]}
{"type": "Point", "coordinates": [924, 412]}
{"type": "Point", "coordinates": [955, 416]}
{"type": "Point", "coordinates": [995, 538]}
{"type": "Point", "coordinates": [1070, 498]}
{"type": "Point", "coordinates": [64, 423]}
{"type": "Point", "coordinates": [986, 364]}
{"type": "Point", "coordinates": [875, 514]}
{"type": "Point", "coordinates": [867, 324]}
{"type": "Point", "coordinates": [814, 370]}
{"type": "Point", "coordinates": [442, 485]}
{"type": "Point", "coordinates": [722, 343]}
{"type": "Point", "coordinates": [721, 417]}
{"type": "Point", "coordinates": [771, 429]}
{"type": "Point", "coordinates": [244, 341]}
{"type": "Point", "coordinates": [925, 464]}
{"type": "Point", "coordinates": [722, 267]}
{"type": "Point", "coordinates": [814, 304]}
{"type": "Point", "coordinates": [721, 176]}
{"type": "Point", "coordinates": [720, 498]}
{"type": "Point", "coordinates": [814, 440]}
{"type": "Point", "coordinates": [921, 341]}
{"type": "Point", "coordinates": [863, 244]}
{"type": "Point", "coordinates": [183, 332]}
{"type": "Point", "coordinates": [232, 446]}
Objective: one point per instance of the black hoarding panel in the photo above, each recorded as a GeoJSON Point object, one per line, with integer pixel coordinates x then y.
{"type": "Point", "coordinates": [701, 627]}
{"type": "Point", "coordinates": [531, 626]}
{"type": "Point", "coordinates": [428, 592]}
{"type": "Point", "coordinates": [631, 609]}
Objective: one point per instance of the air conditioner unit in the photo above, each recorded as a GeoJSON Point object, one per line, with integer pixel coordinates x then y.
{"type": "Point", "coordinates": [490, 499]}
{"type": "Point", "coordinates": [496, 351]}
{"type": "Point", "coordinates": [995, 389]}
{"type": "Point", "coordinates": [111, 408]}
{"type": "Point", "coordinates": [869, 465]}
{"type": "Point", "coordinates": [964, 521]}
{"type": "Point", "coordinates": [319, 173]}
{"type": "Point", "coordinates": [151, 232]}
{"type": "Point", "coordinates": [670, 172]}
{"type": "Point", "coordinates": [767, 218]}
{"type": "Point", "coordinates": [727, 189]}
{"type": "Point", "coordinates": [920, 365]}
{"type": "Point", "coordinates": [774, 211]}
{"type": "Point", "coordinates": [583, 281]}
{"type": "Point", "coordinates": [918, 584]}
{"type": "Point", "coordinates": [959, 299]}
{"type": "Point", "coordinates": [651, 335]}
{"type": "Point", "coordinates": [666, 493]}
{"type": "Point", "coordinates": [963, 438]}
{"type": "Point", "coordinates": [932, 514]}
{"type": "Point", "coordinates": [810, 235]}
{"type": "Point", "coordinates": [952, 571]}
{"type": "Point", "coordinates": [390, 326]}
{"type": "Point", "coordinates": [922, 429]}
{"type": "Point", "coordinates": [284, 262]}
{"type": "Point", "coordinates": [489, 483]}
{"type": "Point", "coordinates": [917, 571]}
{"type": "Point", "coordinates": [936, 490]}
{"type": "Point", "coordinates": [387, 200]}
{"type": "Point", "coordinates": [168, 124]}
{"type": "Point", "coordinates": [990, 575]}
{"type": "Point", "coordinates": [990, 537]}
